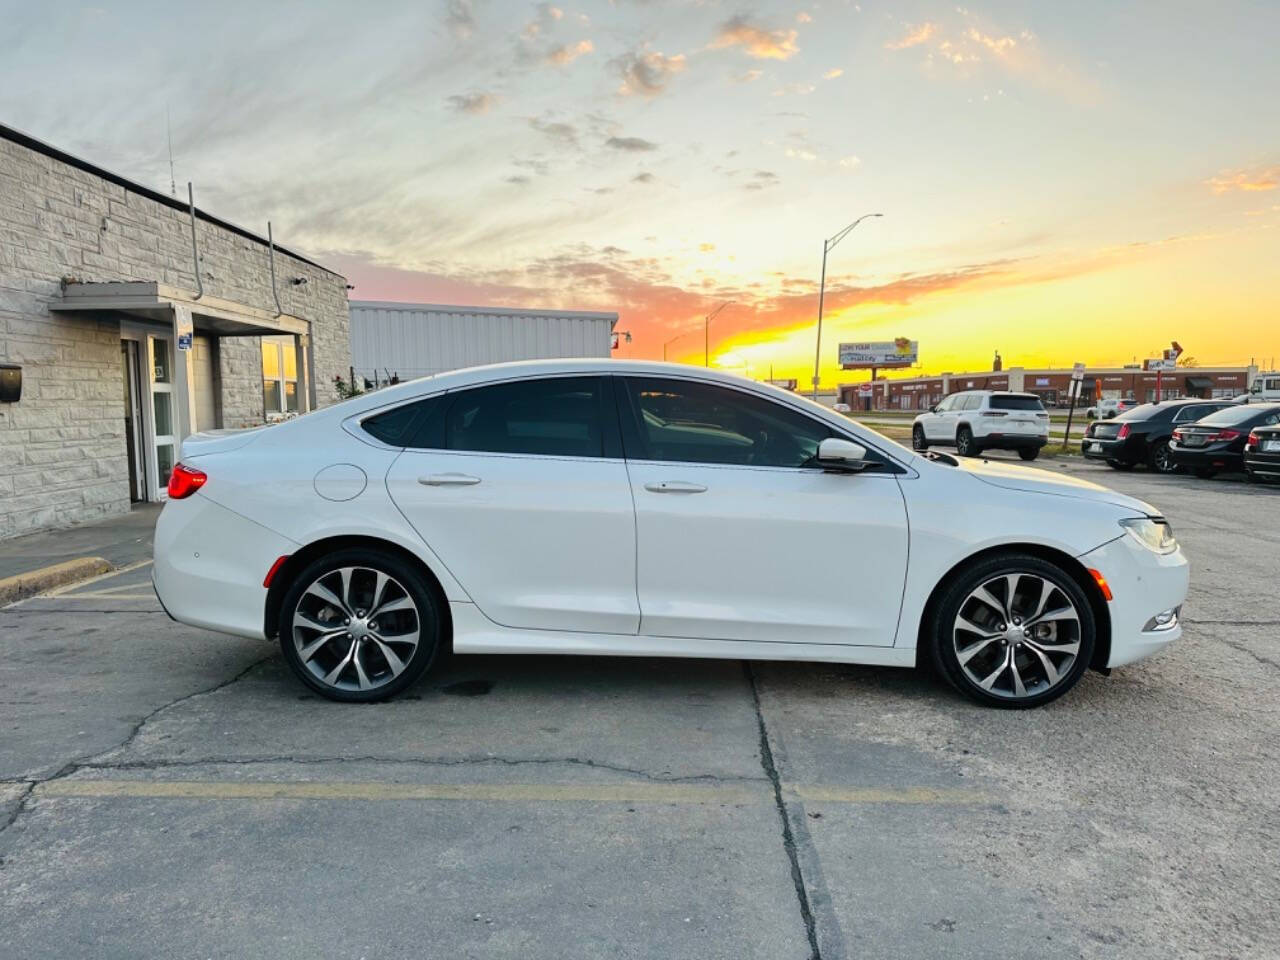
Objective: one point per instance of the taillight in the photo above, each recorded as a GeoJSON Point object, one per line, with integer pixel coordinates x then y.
{"type": "Point", "coordinates": [1224, 435]}
{"type": "Point", "coordinates": [1177, 435]}
{"type": "Point", "coordinates": [1254, 440]}
{"type": "Point", "coordinates": [1124, 431]}
{"type": "Point", "coordinates": [184, 481]}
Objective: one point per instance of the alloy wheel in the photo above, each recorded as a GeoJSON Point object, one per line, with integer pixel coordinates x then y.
{"type": "Point", "coordinates": [1017, 635]}
{"type": "Point", "coordinates": [356, 628]}
{"type": "Point", "coordinates": [1162, 460]}
{"type": "Point", "coordinates": [964, 442]}
{"type": "Point", "coordinates": [917, 439]}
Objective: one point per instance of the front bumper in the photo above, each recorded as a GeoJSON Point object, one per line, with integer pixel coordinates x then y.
{"type": "Point", "coordinates": [1143, 584]}
{"type": "Point", "coordinates": [210, 563]}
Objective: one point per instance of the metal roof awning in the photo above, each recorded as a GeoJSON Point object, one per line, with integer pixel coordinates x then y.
{"type": "Point", "coordinates": [155, 301]}
{"type": "Point", "coordinates": [1199, 383]}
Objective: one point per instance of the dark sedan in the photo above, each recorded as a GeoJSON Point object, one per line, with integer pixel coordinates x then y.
{"type": "Point", "coordinates": [1262, 453]}
{"type": "Point", "coordinates": [1142, 435]}
{"type": "Point", "coordinates": [1216, 442]}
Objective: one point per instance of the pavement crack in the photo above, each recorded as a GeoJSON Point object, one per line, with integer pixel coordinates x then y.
{"type": "Point", "coordinates": [87, 761]}
{"type": "Point", "coordinates": [788, 837]}
{"type": "Point", "coordinates": [1236, 645]}
{"type": "Point", "coordinates": [165, 764]}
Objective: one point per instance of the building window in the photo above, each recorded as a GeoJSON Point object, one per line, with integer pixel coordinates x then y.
{"type": "Point", "coordinates": [279, 377]}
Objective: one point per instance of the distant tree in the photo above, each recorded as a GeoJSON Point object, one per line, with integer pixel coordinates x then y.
{"type": "Point", "coordinates": [1189, 361]}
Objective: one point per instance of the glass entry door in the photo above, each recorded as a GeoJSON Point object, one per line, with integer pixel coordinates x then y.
{"type": "Point", "coordinates": [164, 429]}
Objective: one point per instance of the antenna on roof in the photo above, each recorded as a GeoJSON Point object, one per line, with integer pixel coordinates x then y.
{"type": "Point", "coordinates": [168, 129]}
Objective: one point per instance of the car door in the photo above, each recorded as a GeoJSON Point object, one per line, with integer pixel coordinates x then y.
{"type": "Point", "coordinates": [521, 490]}
{"type": "Point", "coordinates": [933, 423]}
{"type": "Point", "coordinates": [740, 536]}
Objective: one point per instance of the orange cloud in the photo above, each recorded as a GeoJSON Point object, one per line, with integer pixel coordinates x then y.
{"type": "Point", "coordinates": [914, 36]}
{"type": "Point", "coordinates": [1225, 182]}
{"type": "Point", "coordinates": [757, 41]}
{"type": "Point", "coordinates": [565, 54]}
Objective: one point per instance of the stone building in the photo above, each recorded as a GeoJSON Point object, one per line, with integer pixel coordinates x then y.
{"type": "Point", "coordinates": [123, 348]}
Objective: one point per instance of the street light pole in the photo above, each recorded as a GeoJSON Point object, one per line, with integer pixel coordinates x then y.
{"type": "Point", "coordinates": [667, 344]}
{"type": "Point", "coordinates": [706, 333]}
{"type": "Point", "coordinates": [827, 247]}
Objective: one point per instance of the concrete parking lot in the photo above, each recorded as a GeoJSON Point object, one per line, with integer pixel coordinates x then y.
{"type": "Point", "coordinates": [166, 792]}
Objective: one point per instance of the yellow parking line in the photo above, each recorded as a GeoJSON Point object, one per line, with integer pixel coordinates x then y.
{"type": "Point", "coordinates": [814, 793]}
{"type": "Point", "coordinates": [680, 793]}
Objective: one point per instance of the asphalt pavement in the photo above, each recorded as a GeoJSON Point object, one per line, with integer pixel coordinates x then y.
{"type": "Point", "coordinates": [169, 792]}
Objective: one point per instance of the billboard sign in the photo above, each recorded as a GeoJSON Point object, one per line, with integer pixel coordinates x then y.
{"type": "Point", "coordinates": [1160, 363]}
{"type": "Point", "coordinates": [1077, 372]}
{"type": "Point", "coordinates": [879, 353]}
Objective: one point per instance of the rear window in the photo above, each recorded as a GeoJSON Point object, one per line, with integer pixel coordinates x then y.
{"type": "Point", "coordinates": [1233, 416]}
{"type": "Point", "coordinates": [1146, 411]}
{"type": "Point", "coordinates": [1015, 402]}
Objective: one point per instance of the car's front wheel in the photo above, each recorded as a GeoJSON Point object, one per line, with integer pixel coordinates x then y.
{"type": "Point", "coordinates": [359, 625]}
{"type": "Point", "coordinates": [1013, 631]}
{"type": "Point", "coordinates": [918, 442]}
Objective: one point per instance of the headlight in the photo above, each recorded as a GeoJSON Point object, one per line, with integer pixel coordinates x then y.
{"type": "Point", "coordinates": [1154, 533]}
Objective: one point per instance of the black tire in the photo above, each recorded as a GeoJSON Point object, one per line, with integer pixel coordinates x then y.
{"type": "Point", "coordinates": [1029, 453]}
{"type": "Point", "coordinates": [1160, 460]}
{"type": "Point", "coordinates": [1206, 473]}
{"type": "Point", "coordinates": [965, 444]}
{"type": "Point", "coordinates": [1122, 465]}
{"type": "Point", "coordinates": [958, 594]}
{"type": "Point", "coordinates": [918, 442]}
{"type": "Point", "coordinates": [368, 664]}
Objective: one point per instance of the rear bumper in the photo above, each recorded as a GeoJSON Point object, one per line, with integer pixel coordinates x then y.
{"type": "Point", "coordinates": [1143, 584]}
{"type": "Point", "coordinates": [1012, 441]}
{"type": "Point", "coordinates": [1101, 449]}
{"type": "Point", "coordinates": [1220, 459]}
{"type": "Point", "coordinates": [210, 563]}
{"type": "Point", "coordinates": [1267, 464]}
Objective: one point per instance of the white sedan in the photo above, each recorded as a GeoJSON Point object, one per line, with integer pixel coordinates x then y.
{"type": "Point", "coordinates": [642, 509]}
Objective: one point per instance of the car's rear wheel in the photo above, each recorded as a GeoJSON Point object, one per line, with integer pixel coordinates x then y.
{"type": "Point", "coordinates": [1160, 459]}
{"type": "Point", "coordinates": [966, 446]}
{"type": "Point", "coordinates": [1013, 631]}
{"type": "Point", "coordinates": [1029, 453]}
{"type": "Point", "coordinates": [918, 442]}
{"type": "Point", "coordinates": [359, 625]}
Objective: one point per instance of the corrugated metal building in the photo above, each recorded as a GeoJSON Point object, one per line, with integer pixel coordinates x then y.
{"type": "Point", "coordinates": [412, 340]}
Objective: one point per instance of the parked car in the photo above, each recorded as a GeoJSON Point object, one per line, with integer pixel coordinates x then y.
{"type": "Point", "coordinates": [1108, 407]}
{"type": "Point", "coordinates": [977, 420]}
{"type": "Point", "coordinates": [1142, 435]}
{"type": "Point", "coordinates": [622, 508]}
{"type": "Point", "coordinates": [1216, 442]}
{"type": "Point", "coordinates": [1262, 454]}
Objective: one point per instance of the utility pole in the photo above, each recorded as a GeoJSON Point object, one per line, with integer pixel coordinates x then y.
{"type": "Point", "coordinates": [706, 333]}
{"type": "Point", "coordinates": [827, 247]}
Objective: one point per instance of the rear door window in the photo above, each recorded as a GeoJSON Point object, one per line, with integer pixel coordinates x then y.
{"type": "Point", "coordinates": [555, 417]}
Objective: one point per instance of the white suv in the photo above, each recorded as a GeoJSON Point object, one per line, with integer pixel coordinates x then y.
{"type": "Point", "coordinates": [978, 420]}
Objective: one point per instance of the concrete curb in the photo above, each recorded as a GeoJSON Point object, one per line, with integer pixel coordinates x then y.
{"type": "Point", "coordinates": [25, 585]}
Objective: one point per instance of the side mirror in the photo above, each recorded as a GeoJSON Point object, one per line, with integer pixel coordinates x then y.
{"type": "Point", "coordinates": [934, 408]}
{"type": "Point", "coordinates": [843, 455]}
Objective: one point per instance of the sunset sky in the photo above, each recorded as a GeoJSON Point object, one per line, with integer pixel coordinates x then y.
{"type": "Point", "coordinates": [1061, 181]}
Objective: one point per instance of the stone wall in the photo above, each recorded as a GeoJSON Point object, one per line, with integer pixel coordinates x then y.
{"type": "Point", "coordinates": [62, 447]}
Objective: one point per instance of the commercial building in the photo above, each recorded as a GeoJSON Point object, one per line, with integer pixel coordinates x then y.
{"type": "Point", "coordinates": [123, 346]}
{"type": "Point", "coordinates": [1053, 385]}
{"type": "Point", "coordinates": [409, 340]}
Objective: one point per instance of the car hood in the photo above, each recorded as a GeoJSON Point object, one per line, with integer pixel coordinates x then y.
{"type": "Point", "coordinates": [1031, 480]}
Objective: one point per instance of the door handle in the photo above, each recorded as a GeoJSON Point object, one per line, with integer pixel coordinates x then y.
{"type": "Point", "coordinates": [674, 486]}
{"type": "Point", "coordinates": [448, 480]}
